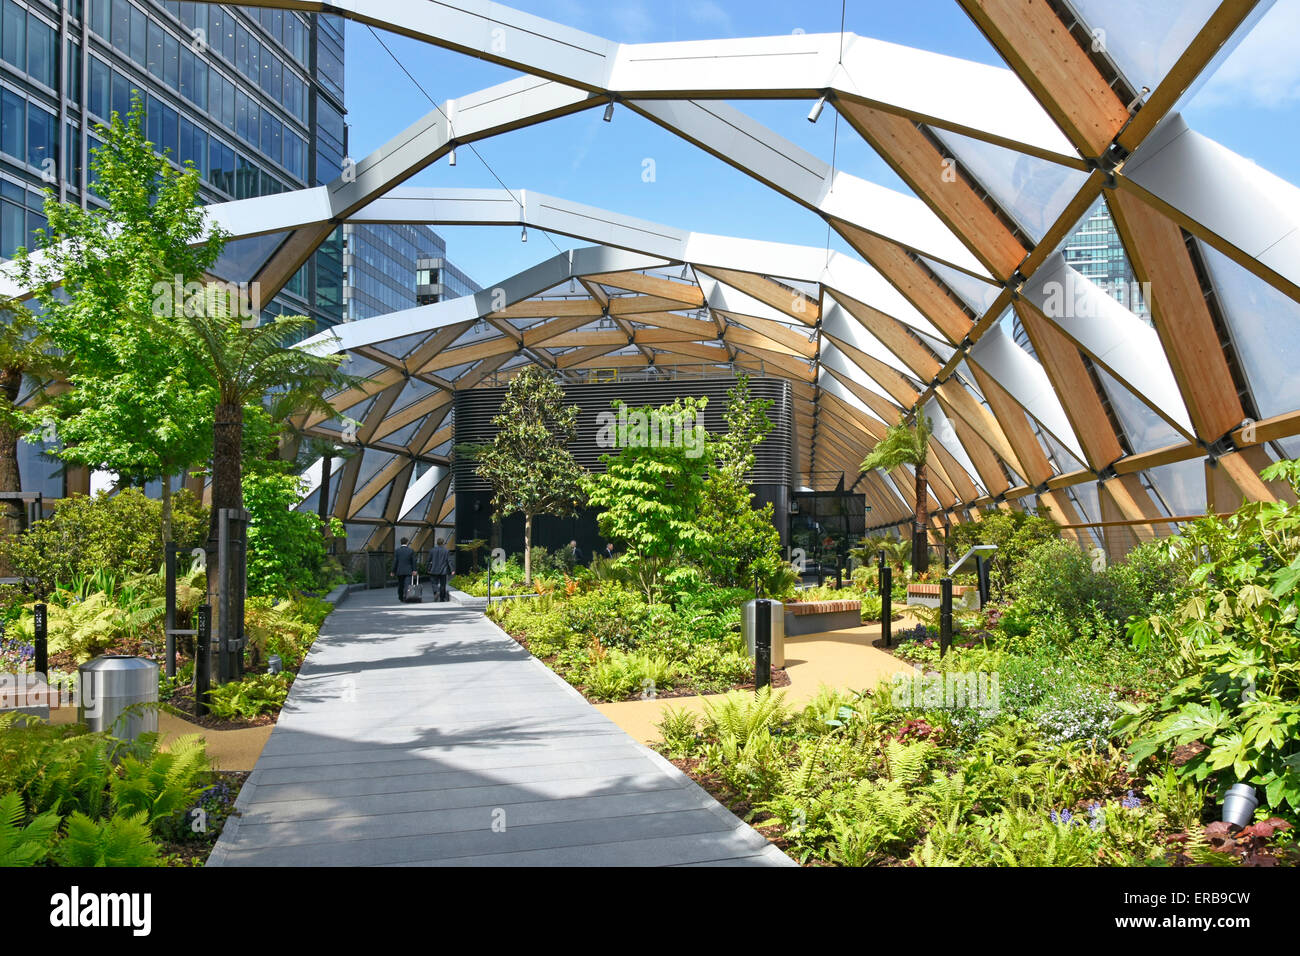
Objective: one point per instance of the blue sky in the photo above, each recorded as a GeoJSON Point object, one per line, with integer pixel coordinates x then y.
{"type": "Point", "coordinates": [1252, 105]}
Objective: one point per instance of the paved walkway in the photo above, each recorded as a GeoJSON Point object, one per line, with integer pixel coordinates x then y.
{"type": "Point", "coordinates": [421, 735]}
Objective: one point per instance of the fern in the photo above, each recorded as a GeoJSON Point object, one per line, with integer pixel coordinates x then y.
{"type": "Point", "coordinates": [24, 845]}
{"type": "Point", "coordinates": [161, 785]}
{"type": "Point", "coordinates": [118, 841]}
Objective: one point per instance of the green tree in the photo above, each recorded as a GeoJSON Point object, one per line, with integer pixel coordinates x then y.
{"type": "Point", "coordinates": [653, 492]}
{"type": "Point", "coordinates": [906, 444]}
{"type": "Point", "coordinates": [285, 550]}
{"type": "Point", "coordinates": [527, 463]}
{"type": "Point", "coordinates": [745, 545]}
{"type": "Point", "coordinates": [244, 360]}
{"type": "Point", "coordinates": [24, 354]}
{"type": "Point", "coordinates": [111, 283]}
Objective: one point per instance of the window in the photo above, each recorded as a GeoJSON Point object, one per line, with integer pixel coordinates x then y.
{"type": "Point", "coordinates": [242, 104]}
{"type": "Point", "coordinates": [154, 59]}
{"type": "Point", "coordinates": [170, 131]}
{"type": "Point", "coordinates": [153, 122]}
{"type": "Point", "coordinates": [254, 59]}
{"type": "Point", "coordinates": [98, 89]}
{"type": "Point", "coordinates": [121, 95]}
{"type": "Point", "coordinates": [74, 73]}
{"type": "Point", "coordinates": [13, 124]}
{"type": "Point", "coordinates": [13, 46]}
{"type": "Point", "coordinates": [121, 26]}
{"type": "Point", "coordinates": [194, 147]}
{"type": "Point", "coordinates": [194, 79]}
{"type": "Point", "coordinates": [241, 49]}
{"type": "Point", "coordinates": [13, 228]}
{"type": "Point", "coordinates": [274, 87]}
{"type": "Point", "coordinates": [42, 137]}
{"type": "Point", "coordinates": [171, 61]}
{"type": "Point", "coordinates": [139, 26]}
{"type": "Point", "coordinates": [99, 14]}
{"type": "Point", "coordinates": [246, 179]}
{"type": "Point", "coordinates": [42, 51]}
{"type": "Point", "coordinates": [271, 135]}
{"type": "Point", "coordinates": [221, 166]}
{"type": "Point", "coordinates": [72, 156]}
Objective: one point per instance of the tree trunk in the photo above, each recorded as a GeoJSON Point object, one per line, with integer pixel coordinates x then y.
{"type": "Point", "coordinates": [323, 504]}
{"type": "Point", "coordinates": [11, 512]}
{"type": "Point", "coordinates": [920, 550]}
{"type": "Point", "coordinates": [227, 484]}
{"type": "Point", "coordinates": [528, 548]}
{"type": "Point", "coordinates": [166, 509]}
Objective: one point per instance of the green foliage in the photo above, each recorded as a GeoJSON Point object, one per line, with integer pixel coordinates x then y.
{"type": "Point", "coordinates": [652, 495]}
{"type": "Point", "coordinates": [29, 844]}
{"type": "Point", "coordinates": [528, 464]}
{"type": "Point", "coordinates": [160, 785]}
{"type": "Point", "coordinates": [1237, 644]}
{"type": "Point", "coordinates": [286, 552]}
{"type": "Point", "coordinates": [251, 696]}
{"type": "Point", "coordinates": [903, 444]}
{"type": "Point", "coordinates": [133, 407]}
{"type": "Point", "coordinates": [120, 532]}
{"type": "Point", "coordinates": [1014, 533]}
{"type": "Point", "coordinates": [115, 841]}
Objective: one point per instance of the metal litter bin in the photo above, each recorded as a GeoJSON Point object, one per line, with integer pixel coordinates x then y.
{"type": "Point", "coordinates": [109, 686]}
{"type": "Point", "coordinates": [749, 627]}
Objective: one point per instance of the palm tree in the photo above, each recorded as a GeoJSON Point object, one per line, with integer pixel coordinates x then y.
{"type": "Point", "coordinates": [24, 353]}
{"type": "Point", "coordinates": [906, 444]}
{"type": "Point", "coordinates": [244, 362]}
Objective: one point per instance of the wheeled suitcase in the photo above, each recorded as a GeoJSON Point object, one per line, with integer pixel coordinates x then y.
{"type": "Point", "coordinates": [414, 589]}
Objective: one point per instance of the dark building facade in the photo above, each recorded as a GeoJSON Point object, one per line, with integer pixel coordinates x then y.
{"type": "Point", "coordinates": [475, 409]}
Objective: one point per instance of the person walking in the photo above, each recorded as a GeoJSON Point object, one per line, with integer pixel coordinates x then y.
{"type": "Point", "coordinates": [575, 554]}
{"type": "Point", "coordinates": [440, 569]}
{"type": "Point", "coordinates": [608, 553]}
{"type": "Point", "coordinates": [403, 566]}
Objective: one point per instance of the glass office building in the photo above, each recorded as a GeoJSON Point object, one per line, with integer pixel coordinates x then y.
{"type": "Point", "coordinates": [392, 267]}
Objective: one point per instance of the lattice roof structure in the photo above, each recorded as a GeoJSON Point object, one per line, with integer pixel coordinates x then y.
{"type": "Point", "coordinates": [958, 299]}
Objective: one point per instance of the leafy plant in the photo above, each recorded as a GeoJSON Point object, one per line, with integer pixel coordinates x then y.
{"type": "Point", "coordinates": [250, 697]}
{"type": "Point", "coordinates": [908, 444]}
{"type": "Point", "coordinates": [115, 841]}
{"type": "Point", "coordinates": [1236, 706]}
{"type": "Point", "coordinates": [25, 845]}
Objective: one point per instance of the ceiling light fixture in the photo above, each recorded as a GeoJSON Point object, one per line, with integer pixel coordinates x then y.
{"type": "Point", "coordinates": [451, 157]}
{"type": "Point", "coordinates": [609, 111]}
{"type": "Point", "coordinates": [523, 236]}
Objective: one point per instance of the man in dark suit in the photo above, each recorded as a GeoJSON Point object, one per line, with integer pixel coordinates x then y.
{"type": "Point", "coordinates": [608, 553]}
{"type": "Point", "coordinates": [440, 568]}
{"type": "Point", "coordinates": [403, 565]}
{"type": "Point", "coordinates": [575, 554]}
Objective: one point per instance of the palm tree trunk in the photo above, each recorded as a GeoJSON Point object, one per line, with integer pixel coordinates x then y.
{"type": "Point", "coordinates": [323, 504]}
{"type": "Point", "coordinates": [11, 512]}
{"type": "Point", "coordinates": [920, 551]}
{"type": "Point", "coordinates": [528, 548]}
{"type": "Point", "coordinates": [227, 482]}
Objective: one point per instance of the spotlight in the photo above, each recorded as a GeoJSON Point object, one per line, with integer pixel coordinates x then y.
{"type": "Point", "coordinates": [573, 285]}
{"type": "Point", "coordinates": [609, 111]}
{"type": "Point", "coordinates": [1239, 805]}
{"type": "Point", "coordinates": [816, 111]}
{"type": "Point", "coordinates": [451, 157]}
{"type": "Point", "coordinates": [523, 236]}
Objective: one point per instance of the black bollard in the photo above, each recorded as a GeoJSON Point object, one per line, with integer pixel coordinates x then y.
{"type": "Point", "coordinates": [40, 627]}
{"type": "Point", "coordinates": [886, 605]}
{"type": "Point", "coordinates": [762, 644]}
{"type": "Point", "coordinates": [945, 615]}
{"type": "Point", "coordinates": [202, 658]}
{"type": "Point", "coordinates": [982, 576]}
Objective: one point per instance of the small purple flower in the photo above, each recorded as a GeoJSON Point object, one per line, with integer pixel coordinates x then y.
{"type": "Point", "coordinates": [1131, 801]}
{"type": "Point", "coordinates": [1096, 815]}
{"type": "Point", "coordinates": [1064, 817]}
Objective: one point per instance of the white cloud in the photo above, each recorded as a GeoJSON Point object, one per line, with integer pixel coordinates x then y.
{"type": "Point", "coordinates": [1263, 71]}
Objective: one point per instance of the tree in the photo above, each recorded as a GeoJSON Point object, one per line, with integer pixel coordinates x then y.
{"type": "Point", "coordinates": [243, 361]}
{"type": "Point", "coordinates": [24, 353]}
{"type": "Point", "coordinates": [527, 463]}
{"type": "Point", "coordinates": [906, 444]}
{"type": "Point", "coordinates": [653, 491]}
{"type": "Point", "coordinates": [745, 544]}
{"type": "Point", "coordinates": [111, 283]}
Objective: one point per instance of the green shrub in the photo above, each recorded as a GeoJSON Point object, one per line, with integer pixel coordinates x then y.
{"type": "Point", "coordinates": [25, 845]}
{"type": "Point", "coordinates": [87, 534]}
{"type": "Point", "coordinates": [1236, 641]}
{"type": "Point", "coordinates": [252, 696]}
{"type": "Point", "coordinates": [115, 841]}
{"type": "Point", "coordinates": [286, 551]}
